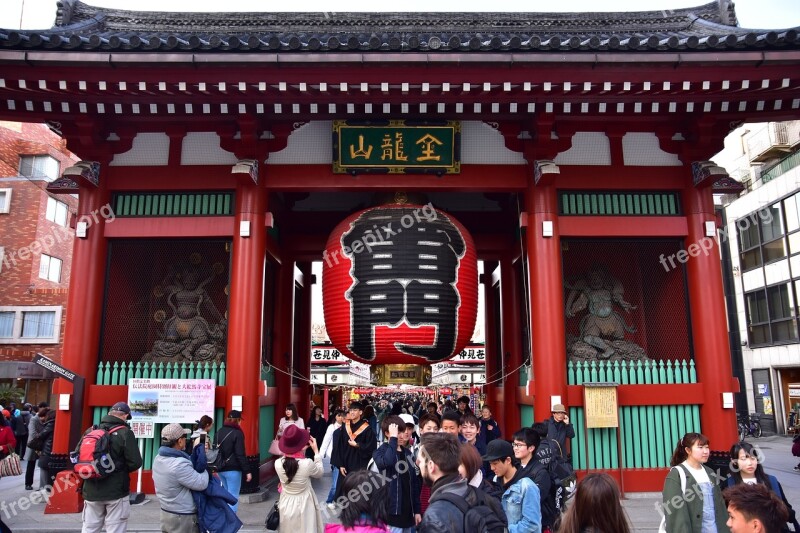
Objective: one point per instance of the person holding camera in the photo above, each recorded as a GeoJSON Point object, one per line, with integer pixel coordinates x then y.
{"type": "Point", "coordinates": [298, 505]}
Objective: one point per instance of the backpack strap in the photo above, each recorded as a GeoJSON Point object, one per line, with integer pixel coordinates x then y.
{"type": "Point", "coordinates": [682, 473]}
{"type": "Point", "coordinates": [460, 503]}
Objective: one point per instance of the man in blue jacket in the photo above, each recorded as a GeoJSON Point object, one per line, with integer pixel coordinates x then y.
{"type": "Point", "coordinates": [394, 459]}
{"type": "Point", "coordinates": [175, 478]}
{"type": "Point", "coordinates": [521, 500]}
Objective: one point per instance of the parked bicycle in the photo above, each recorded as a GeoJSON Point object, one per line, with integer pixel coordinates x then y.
{"type": "Point", "coordinates": [749, 425]}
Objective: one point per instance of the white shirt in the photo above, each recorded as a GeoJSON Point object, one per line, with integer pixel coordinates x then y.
{"type": "Point", "coordinates": [327, 442]}
{"type": "Point", "coordinates": [700, 475]}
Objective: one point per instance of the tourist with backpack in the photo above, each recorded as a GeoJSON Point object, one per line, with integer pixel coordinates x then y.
{"type": "Point", "coordinates": [454, 506]}
{"type": "Point", "coordinates": [107, 497]}
{"type": "Point", "coordinates": [525, 442]}
{"type": "Point", "coordinates": [521, 500]}
{"type": "Point", "coordinates": [705, 509]}
{"type": "Point", "coordinates": [749, 471]}
{"type": "Point", "coordinates": [562, 476]}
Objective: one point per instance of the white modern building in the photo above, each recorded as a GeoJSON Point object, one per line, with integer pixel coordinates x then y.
{"type": "Point", "coordinates": [762, 235]}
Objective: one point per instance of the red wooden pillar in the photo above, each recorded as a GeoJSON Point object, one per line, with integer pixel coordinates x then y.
{"type": "Point", "coordinates": [709, 320]}
{"type": "Point", "coordinates": [84, 312]}
{"type": "Point", "coordinates": [282, 344]}
{"type": "Point", "coordinates": [512, 343]}
{"type": "Point", "coordinates": [246, 307]}
{"type": "Point", "coordinates": [546, 299]}
{"type": "Point", "coordinates": [492, 334]}
{"type": "Point", "coordinates": [303, 342]}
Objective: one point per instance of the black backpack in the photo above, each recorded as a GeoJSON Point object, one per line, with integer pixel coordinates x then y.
{"type": "Point", "coordinates": [562, 475]}
{"type": "Point", "coordinates": [482, 513]}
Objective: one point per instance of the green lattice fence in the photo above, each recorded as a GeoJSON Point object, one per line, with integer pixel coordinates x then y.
{"type": "Point", "coordinates": [649, 432]}
{"type": "Point", "coordinates": [118, 373]}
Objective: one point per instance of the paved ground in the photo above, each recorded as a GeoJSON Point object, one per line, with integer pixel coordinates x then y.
{"type": "Point", "coordinates": [145, 517]}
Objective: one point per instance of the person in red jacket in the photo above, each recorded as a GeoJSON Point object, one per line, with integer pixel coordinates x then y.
{"type": "Point", "coordinates": [7, 440]}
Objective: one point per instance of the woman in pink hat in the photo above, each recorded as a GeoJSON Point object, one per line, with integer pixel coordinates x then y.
{"type": "Point", "coordinates": [298, 505]}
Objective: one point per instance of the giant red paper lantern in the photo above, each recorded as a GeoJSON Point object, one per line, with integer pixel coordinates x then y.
{"type": "Point", "coordinates": [400, 285]}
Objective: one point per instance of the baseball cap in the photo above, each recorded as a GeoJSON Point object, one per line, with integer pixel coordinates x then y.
{"type": "Point", "coordinates": [172, 432]}
{"type": "Point", "coordinates": [122, 407]}
{"type": "Point", "coordinates": [497, 450]}
{"type": "Point", "coordinates": [408, 419]}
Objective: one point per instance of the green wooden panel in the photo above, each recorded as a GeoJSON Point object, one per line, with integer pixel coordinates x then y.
{"type": "Point", "coordinates": [226, 207]}
{"type": "Point", "coordinates": [148, 204]}
{"type": "Point", "coordinates": [595, 209]}
{"type": "Point", "coordinates": [140, 205]}
{"type": "Point", "coordinates": [526, 415]}
{"type": "Point", "coordinates": [266, 430]}
{"type": "Point", "coordinates": [190, 204]}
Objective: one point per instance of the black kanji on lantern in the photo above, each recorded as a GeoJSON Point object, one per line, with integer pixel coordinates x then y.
{"type": "Point", "coordinates": [405, 265]}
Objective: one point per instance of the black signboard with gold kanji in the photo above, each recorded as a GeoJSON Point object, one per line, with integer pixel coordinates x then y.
{"type": "Point", "coordinates": [396, 147]}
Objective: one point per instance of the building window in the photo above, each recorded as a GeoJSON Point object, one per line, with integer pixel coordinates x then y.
{"type": "Point", "coordinates": [761, 235]}
{"type": "Point", "coordinates": [38, 324]}
{"type": "Point", "coordinates": [57, 212]}
{"type": "Point", "coordinates": [771, 315]}
{"type": "Point", "coordinates": [30, 325]}
{"type": "Point", "coordinates": [6, 324]}
{"type": "Point", "coordinates": [50, 268]}
{"type": "Point", "coordinates": [2, 257]}
{"type": "Point", "coordinates": [5, 200]}
{"type": "Point", "coordinates": [38, 167]}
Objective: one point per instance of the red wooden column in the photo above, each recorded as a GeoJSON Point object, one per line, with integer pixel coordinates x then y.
{"type": "Point", "coordinates": [512, 317]}
{"type": "Point", "coordinates": [492, 332]}
{"type": "Point", "coordinates": [246, 306]}
{"type": "Point", "coordinates": [546, 298]}
{"type": "Point", "coordinates": [709, 320]}
{"type": "Point", "coordinates": [302, 358]}
{"type": "Point", "coordinates": [84, 305]}
{"type": "Point", "coordinates": [282, 343]}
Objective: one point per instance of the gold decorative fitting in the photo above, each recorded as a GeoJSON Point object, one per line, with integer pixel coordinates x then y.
{"type": "Point", "coordinates": [400, 197]}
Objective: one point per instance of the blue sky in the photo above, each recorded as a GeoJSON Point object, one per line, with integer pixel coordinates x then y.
{"type": "Point", "coordinates": [751, 13]}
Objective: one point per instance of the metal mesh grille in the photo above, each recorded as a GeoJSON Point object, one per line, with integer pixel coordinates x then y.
{"type": "Point", "coordinates": [604, 277]}
{"type": "Point", "coordinates": [166, 300]}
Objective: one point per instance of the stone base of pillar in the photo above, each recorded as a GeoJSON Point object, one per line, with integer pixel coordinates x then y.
{"type": "Point", "coordinates": [65, 497]}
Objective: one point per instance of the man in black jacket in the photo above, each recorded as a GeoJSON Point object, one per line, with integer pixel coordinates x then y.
{"type": "Point", "coordinates": [438, 461]}
{"type": "Point", "coordinates": [357, 442]}
{"type": "Point", "coordinates": [559, 429]}
{"type": "Point", "coordinates": [230, 439]}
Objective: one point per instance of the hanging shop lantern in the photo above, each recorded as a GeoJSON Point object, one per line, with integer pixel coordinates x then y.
{"type": "Point", "coordinates": [400, 285]}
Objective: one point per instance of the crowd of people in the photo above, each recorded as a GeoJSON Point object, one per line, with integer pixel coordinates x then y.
{"type": "Point", "coordinates": [403, 466]}
{"type": "Point", "coordinates": [423, 460]}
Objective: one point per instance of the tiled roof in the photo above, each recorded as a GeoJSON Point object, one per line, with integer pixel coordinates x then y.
{"type": "Point", "coordinates": [80, 26]}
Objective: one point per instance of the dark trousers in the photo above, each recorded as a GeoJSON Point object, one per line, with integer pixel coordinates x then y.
{"type": "Point", "coordinates": [29, 471]}
{"type": "Point", "coordinates": [22, 445]}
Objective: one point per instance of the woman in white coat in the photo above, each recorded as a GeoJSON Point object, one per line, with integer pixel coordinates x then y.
{"type": "Point", "coordinates": [298, 505]}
